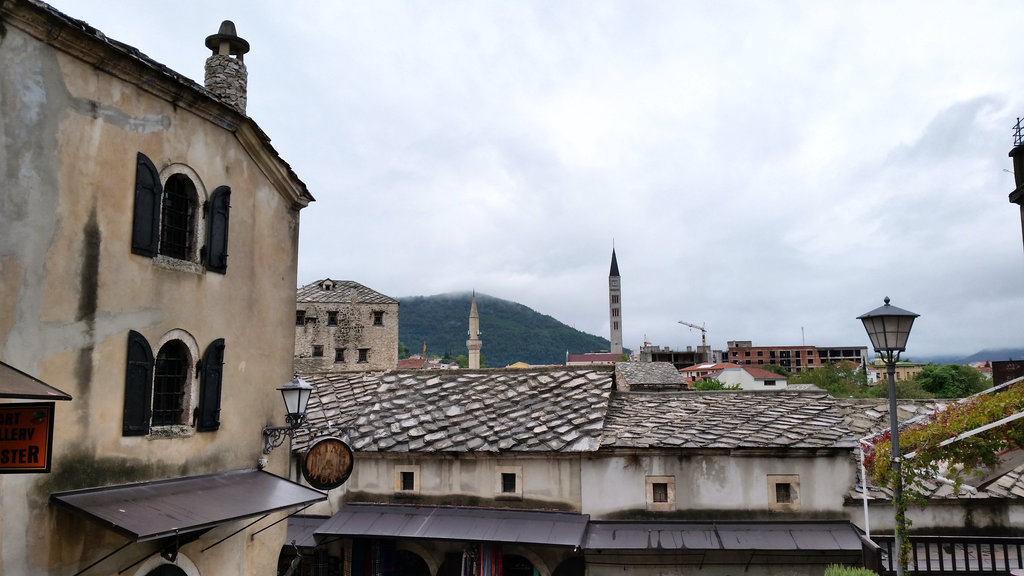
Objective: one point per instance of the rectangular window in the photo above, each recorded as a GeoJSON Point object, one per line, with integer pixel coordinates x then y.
{"type": "Point", "coordinates": [615, 325]}
{"type": "Point", "coordinates": [661, 493]}
{"type": "Point", "coordinates": [747, 353]}
{"type": "Point", "coordinates": [300, 317]}
{"type": "Point", "coordinates": [318, 351]}
{"type": "Point", "coordinates": [339, 354]}
{"type": "Point", "coordinates": [783, 492]}
{"type": "Point", "coordinates": [760, 352]}
{"type": "Point", "coordinates": [378, 318]}
{"type": "Point", "coordinates": [364, 355]}
{"type": "Point", "coordinates": [797, 353]}
{"type": "Point", "coordinates": [769, 382]}
{"type": "Point", "coordinates": [332, 318]}
{"type": "Point", "coordinates": [615, 312]}
{"type": "Point", "coordinates": [508, 482]}
{"type": "Point", "coordinates": [407, 480]}
{"type": "Point", "coordinates": [615, 298]}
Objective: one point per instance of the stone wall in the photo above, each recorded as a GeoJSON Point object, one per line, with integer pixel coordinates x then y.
{"type": "Point", "coordinates": [354, 330]}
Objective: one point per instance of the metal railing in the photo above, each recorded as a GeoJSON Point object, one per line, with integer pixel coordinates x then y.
{"type": "Point", "coordinates": [949, 555]}
{"type": "Point", "coordinates": [1018, 133]}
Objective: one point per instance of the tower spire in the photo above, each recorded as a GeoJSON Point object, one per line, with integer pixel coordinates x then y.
{"type": "Point", "coordinates": [615, 306]}
{"type": "Point", "coordinates": [474, 344]}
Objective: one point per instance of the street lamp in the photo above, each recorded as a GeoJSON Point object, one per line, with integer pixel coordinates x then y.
{"type": "Point", "coordinates": [888, 327]}
{"type": "Point", "coordinates": [296, 397]}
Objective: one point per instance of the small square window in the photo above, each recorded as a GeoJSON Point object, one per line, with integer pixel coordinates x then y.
{"type": "Point", "coordinates": [332, 318]}
{"type": "Point", "coordinates": [769, 382]}
{"type": "Point", "coordinates": [407, 479]}
{"type": "Point", "coordinates": [508, 482]}
{"type": "Point", "coordinates": [661, 493]}
{"type": "Point", "coordinates": [783, 492]}
{"type": "Point", "coordinates": [339, 354]}
{"type": "Point", "coordinates": [378, 318]}
{"type": "Point", "coordinates": [300, 317]}
{"type": "Point", "coordinates": [318, 351]}
{"type": "Point", "coordinates": [364, 355]}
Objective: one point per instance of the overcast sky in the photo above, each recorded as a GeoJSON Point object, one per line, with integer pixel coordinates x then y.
{"type": "Point", "coordinates": [770, 169]}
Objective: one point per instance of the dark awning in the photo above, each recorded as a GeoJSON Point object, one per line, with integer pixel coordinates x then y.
{"type": "Point", "coordinates": [809, 536]}
{"type": "Point", "coordinates": [451, 523]}
{"type": "Point", "coordinates": [16, 384]}
{"type": "Point", "coordinates": [152, 510]}
{"type": "Point", "coordinates": [301, 529]}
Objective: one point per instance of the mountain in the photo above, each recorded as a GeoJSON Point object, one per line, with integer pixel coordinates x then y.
{"type": "Point", "coordinates": [986, 355]}
{"type": "Point", "coordinates": [510, 331]}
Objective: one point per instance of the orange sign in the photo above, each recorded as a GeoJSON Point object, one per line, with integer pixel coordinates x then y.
{"type": "Point", "coordinates": [328, 463]}
{"type": "Point", "coordinates": [26, 437]}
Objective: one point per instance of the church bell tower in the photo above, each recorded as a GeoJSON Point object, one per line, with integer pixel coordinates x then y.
{"type": "Point", "coordinates": [615, 306]}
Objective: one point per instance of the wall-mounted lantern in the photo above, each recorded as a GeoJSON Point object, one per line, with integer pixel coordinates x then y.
{"type": "Point", "coordinates": [296, 398]}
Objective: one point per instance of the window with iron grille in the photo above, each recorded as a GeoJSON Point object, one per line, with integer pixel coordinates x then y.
{"type": "Point", "coordinates": [408, 480]}
{"type": "Point", "coordinates": [318, 351]}
{"type": "Point", "coordinates": [339, 354]}
{"type": "Point", "coordinates": [300, 317]}
{"type": "Point", "coordinates": [659, 492]}
{"type": "Point", "coordinates": [169, 382]}
{"type": "Point", "coordinates": [332, 318]}
{"type": "Point", "coordinates": [177, 217]}
{"type": "Point", "coordinates": [364, 355]}
{"type": "Point", "coordinates": [378, 318]}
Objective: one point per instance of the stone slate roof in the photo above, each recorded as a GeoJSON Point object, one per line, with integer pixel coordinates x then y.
{"type": "Point", "coordinates": [556, 409]}
{"type": "Point", "coordinates": [649, 376]}
{"type": "Point", "coordinates": [725, 419]}
{"type": "Point", "coordinates": [342, 293]}
{"type": "Point", "coordinates": [552, 410]}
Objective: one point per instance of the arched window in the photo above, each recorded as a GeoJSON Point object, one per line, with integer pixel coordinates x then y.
{"type": "Point", "coordinates": [169, 383]}
{"type": "Point", "coordinates": [177, 217]}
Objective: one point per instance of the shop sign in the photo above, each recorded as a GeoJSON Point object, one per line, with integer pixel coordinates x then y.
{"type": "Point", "coordinates": [328, 463]}
{"type": "Point", "coordinates": [26, 437]}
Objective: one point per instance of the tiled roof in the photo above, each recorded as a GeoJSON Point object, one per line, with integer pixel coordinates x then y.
{"type": "Point", "coordinates": [556, 410]}
{"type": "Point", "coordinates": [553, 410]}
{"type": "Point", "coordinates": [341, 292]}
{"type": "Point", "coordinates": [708, 367]}
{"type": "Point", "coordinates": [649, 376]}
{"type": "Point", "coordinates": [724, 419]}
{"type": "Point", "coordinates": [762, 374]}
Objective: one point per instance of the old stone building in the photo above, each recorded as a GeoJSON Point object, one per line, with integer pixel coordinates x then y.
{"type": "Point", "coordinates": [129, 270]}
{"type": "Point", "coordinates": [343, 326]}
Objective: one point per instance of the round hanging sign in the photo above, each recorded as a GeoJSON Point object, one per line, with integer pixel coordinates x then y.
{"type": "Point", "coordinates": [328, 463]}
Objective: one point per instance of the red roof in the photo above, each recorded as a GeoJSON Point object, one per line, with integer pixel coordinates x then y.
{"type": "Point", "coordinates": [762, 374]}
{"type": "Point", "coordinates": [594, 357]}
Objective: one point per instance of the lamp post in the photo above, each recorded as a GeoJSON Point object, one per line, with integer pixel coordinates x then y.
{"type": "Point", "coordinates": [296, 398]}
{"type": "Point", "coordinates": [888, 328]}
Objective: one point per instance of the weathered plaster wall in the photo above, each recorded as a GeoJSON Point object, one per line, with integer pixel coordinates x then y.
{"type": "Point", "coordinates": [720, 486]}
{"type": "Point", "coordinates": [71, 291]}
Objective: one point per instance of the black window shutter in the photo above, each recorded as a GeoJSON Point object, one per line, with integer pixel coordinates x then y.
{"type": "Point", "coordinates": [210, 386]}
{"type": "Point", "coordinates": [146, 223]}
{"type": "Point", "coordinates": [217, 226]}
{"type": "Point", "coordinates": [138, 386]}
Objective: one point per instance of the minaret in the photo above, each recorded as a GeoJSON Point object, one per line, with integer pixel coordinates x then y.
{"type": "Point", "coordinates": [474, 343]}
{"type": "Point", "coordinates": [226, 75]}
{"type": "Point", "coordinates": [614, 306]}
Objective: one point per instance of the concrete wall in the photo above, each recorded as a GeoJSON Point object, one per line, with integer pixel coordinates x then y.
{"type": "Point", "coordinates": [70, 290]}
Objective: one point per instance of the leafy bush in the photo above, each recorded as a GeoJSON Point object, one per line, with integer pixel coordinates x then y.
{"type": "Point", "coordinates": [837, 570]}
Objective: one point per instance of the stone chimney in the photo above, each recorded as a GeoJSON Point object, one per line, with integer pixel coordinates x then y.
{"type": "Point", "coordinates": [225, 72]}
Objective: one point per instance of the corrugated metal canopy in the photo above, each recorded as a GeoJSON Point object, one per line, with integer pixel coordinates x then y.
{"type": "Point", "coordinates": [813, 536]}
{"type": "Point", "coordinates": [301, 529]}
{"type": "Point", "coordinates": [451, 523]}
{"type": "Point", "coordinates": [16, 384]}
{"type": "Point", "coordinates": [152, 510]}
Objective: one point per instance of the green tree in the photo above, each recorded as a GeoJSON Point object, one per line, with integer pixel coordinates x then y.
{"type": "Point", "coordinates": [950, 380]}
{"type": "Point", "coordinates": [777, 369]}
{"type": "Point", "coordinates": [403, 351]}
{"type": "Point", "coordinates": [712, 384]}
{"type": "Point", "coordinates": [842, 380]}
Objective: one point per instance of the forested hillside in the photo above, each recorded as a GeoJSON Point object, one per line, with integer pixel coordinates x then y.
{"type": "Point", "coordinates": [511, 332]}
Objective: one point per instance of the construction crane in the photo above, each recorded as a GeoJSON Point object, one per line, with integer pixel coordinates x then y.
{"type": "Point", "coordinates": [703, 337]}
